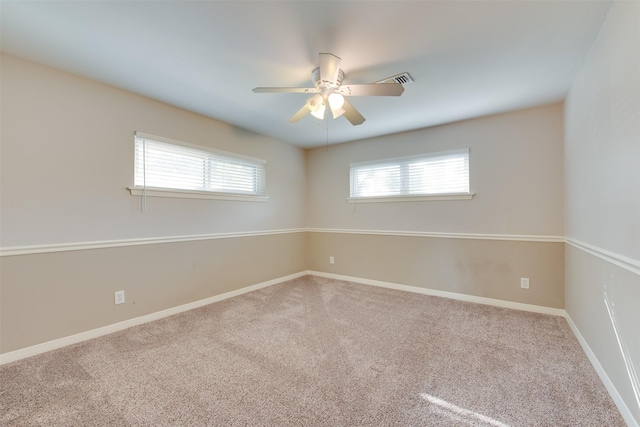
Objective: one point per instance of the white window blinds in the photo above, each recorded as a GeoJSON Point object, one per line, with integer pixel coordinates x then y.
{"type": "Point", "coordinates": [429, 174]}
{"type": "Point", "coordinates": [160, 164]}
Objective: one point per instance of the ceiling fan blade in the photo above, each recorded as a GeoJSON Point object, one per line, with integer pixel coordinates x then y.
{"type": "Point", "coordinates": [352, 114]}
{"type": "Point", "coordinates": [286, 90]}
{"type": "Point", "coordinates": [373, 89]}
{"type": "Point", "coordinates": [329, 67]}
{"type": "Point", "coordinates": [300, 114]}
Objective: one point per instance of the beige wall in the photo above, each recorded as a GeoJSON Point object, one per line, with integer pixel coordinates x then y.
{"type": "Point", "coordinates": [603, 138]}
{"type": "Point", "coordinates": [515, 171]}
{"type": "Point", "coordinates": [602, 181]}
{"type": "Point", "coordinates": [602, 300]}
{"type": "Point", "coordinates": [54, 295]}
{"type": "Point", "coordinates": [483, 268]}
{"type": "Point", "coordinates": [85, 129]}
{"type": "Point", "coordinates": [67, 158]}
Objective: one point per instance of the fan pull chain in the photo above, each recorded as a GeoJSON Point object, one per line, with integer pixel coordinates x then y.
{"type": "Point", "coordinates": [327, 135]}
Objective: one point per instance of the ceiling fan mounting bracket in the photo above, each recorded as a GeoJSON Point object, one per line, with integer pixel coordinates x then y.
{"type": "Point", "coordinates": [326, 84]}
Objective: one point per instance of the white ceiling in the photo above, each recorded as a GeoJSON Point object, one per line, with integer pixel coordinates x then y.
{"type": "Point", "coordinates": [468, 58]}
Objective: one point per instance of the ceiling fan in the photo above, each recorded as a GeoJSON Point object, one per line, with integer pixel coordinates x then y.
{"type": "Point", "coordinates": [329, 90]}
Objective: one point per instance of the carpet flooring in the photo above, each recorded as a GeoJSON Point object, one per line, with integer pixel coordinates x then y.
{"type": "Point", "coordinates": [317, 352]}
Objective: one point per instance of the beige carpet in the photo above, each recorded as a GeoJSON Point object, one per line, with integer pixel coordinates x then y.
{"type": "Point", "coordinates": [318, 352]}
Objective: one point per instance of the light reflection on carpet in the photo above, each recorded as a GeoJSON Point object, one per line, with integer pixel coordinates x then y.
{"type": "Point", "coordinates": [456, 413]}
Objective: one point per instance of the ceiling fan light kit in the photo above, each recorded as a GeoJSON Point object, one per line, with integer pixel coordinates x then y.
{"type": "Point", "coordinates": [336, 101]}
{"type": "Point", "coordinates": [328, 90]}
{"type": "Point", "coordinates": [316, 105]}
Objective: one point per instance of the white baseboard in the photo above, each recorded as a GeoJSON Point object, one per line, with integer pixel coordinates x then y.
{"type": "Point", "coordinates": [452, 295]}
{"type": "Point", "coordinates": [105, 330]}
{"type": "Point", "coordinates": [611, 388]}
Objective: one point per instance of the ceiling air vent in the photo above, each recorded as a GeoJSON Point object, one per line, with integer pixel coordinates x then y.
{"type": "Point", "coordinates": [404, 79]}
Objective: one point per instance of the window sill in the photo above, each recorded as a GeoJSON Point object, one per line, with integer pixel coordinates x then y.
{"type": "Point", "coordinates": [193, 194]}
{"type": "Point", "coordinates": [431, 198]}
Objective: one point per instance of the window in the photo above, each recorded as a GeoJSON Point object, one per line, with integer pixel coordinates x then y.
{"type": "Point", "coordinates": [171, 169]}
{"type": "Point", "coordinates": [430, 176]}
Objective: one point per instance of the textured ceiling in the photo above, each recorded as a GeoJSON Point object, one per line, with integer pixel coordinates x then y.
{"type": "Point", "coordinates": [468, 59]}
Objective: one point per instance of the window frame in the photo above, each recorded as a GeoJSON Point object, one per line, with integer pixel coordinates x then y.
{"type": "Point", "coordinates": [151, 191]}
{"type": "Point", "coordinates": [403, 163]}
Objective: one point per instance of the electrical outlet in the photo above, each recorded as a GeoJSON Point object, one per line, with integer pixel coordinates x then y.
{"type": "Point", "coordinates": [331, 260]}
{"type": "Point", "coordinates": [119, 297]}
{"type": "Point", "coordinates": [524, 282]}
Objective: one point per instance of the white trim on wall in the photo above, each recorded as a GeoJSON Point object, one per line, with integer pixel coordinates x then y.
{"type": "Point", "coordinates": [611, 257]}
{"type": "Point", "coordinates": [516, 237]}
{"type": "Point", "coordinates": [622, 261]}
{"type": "Point", "coordinates": [444, 294]}
{"type": "Point", "coordinates": [65, 247]}
{"type": "Point", "coordinates": [421, 198]}
{"type": "Point", "coordinates": [193, 194]}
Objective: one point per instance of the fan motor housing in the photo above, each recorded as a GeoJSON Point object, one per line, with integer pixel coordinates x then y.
{"type": "Point", "coordinates": [320, 84]}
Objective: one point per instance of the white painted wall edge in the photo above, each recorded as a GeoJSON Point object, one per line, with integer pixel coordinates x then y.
{"type": "Point", "coordinates": [611, 388]}
{"type": "Point", "coordinates": [451, 295]}
{"type": "Point", "coordinates": [105, 330]}
{"type": "Point", "coordinates": [612, 257]}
